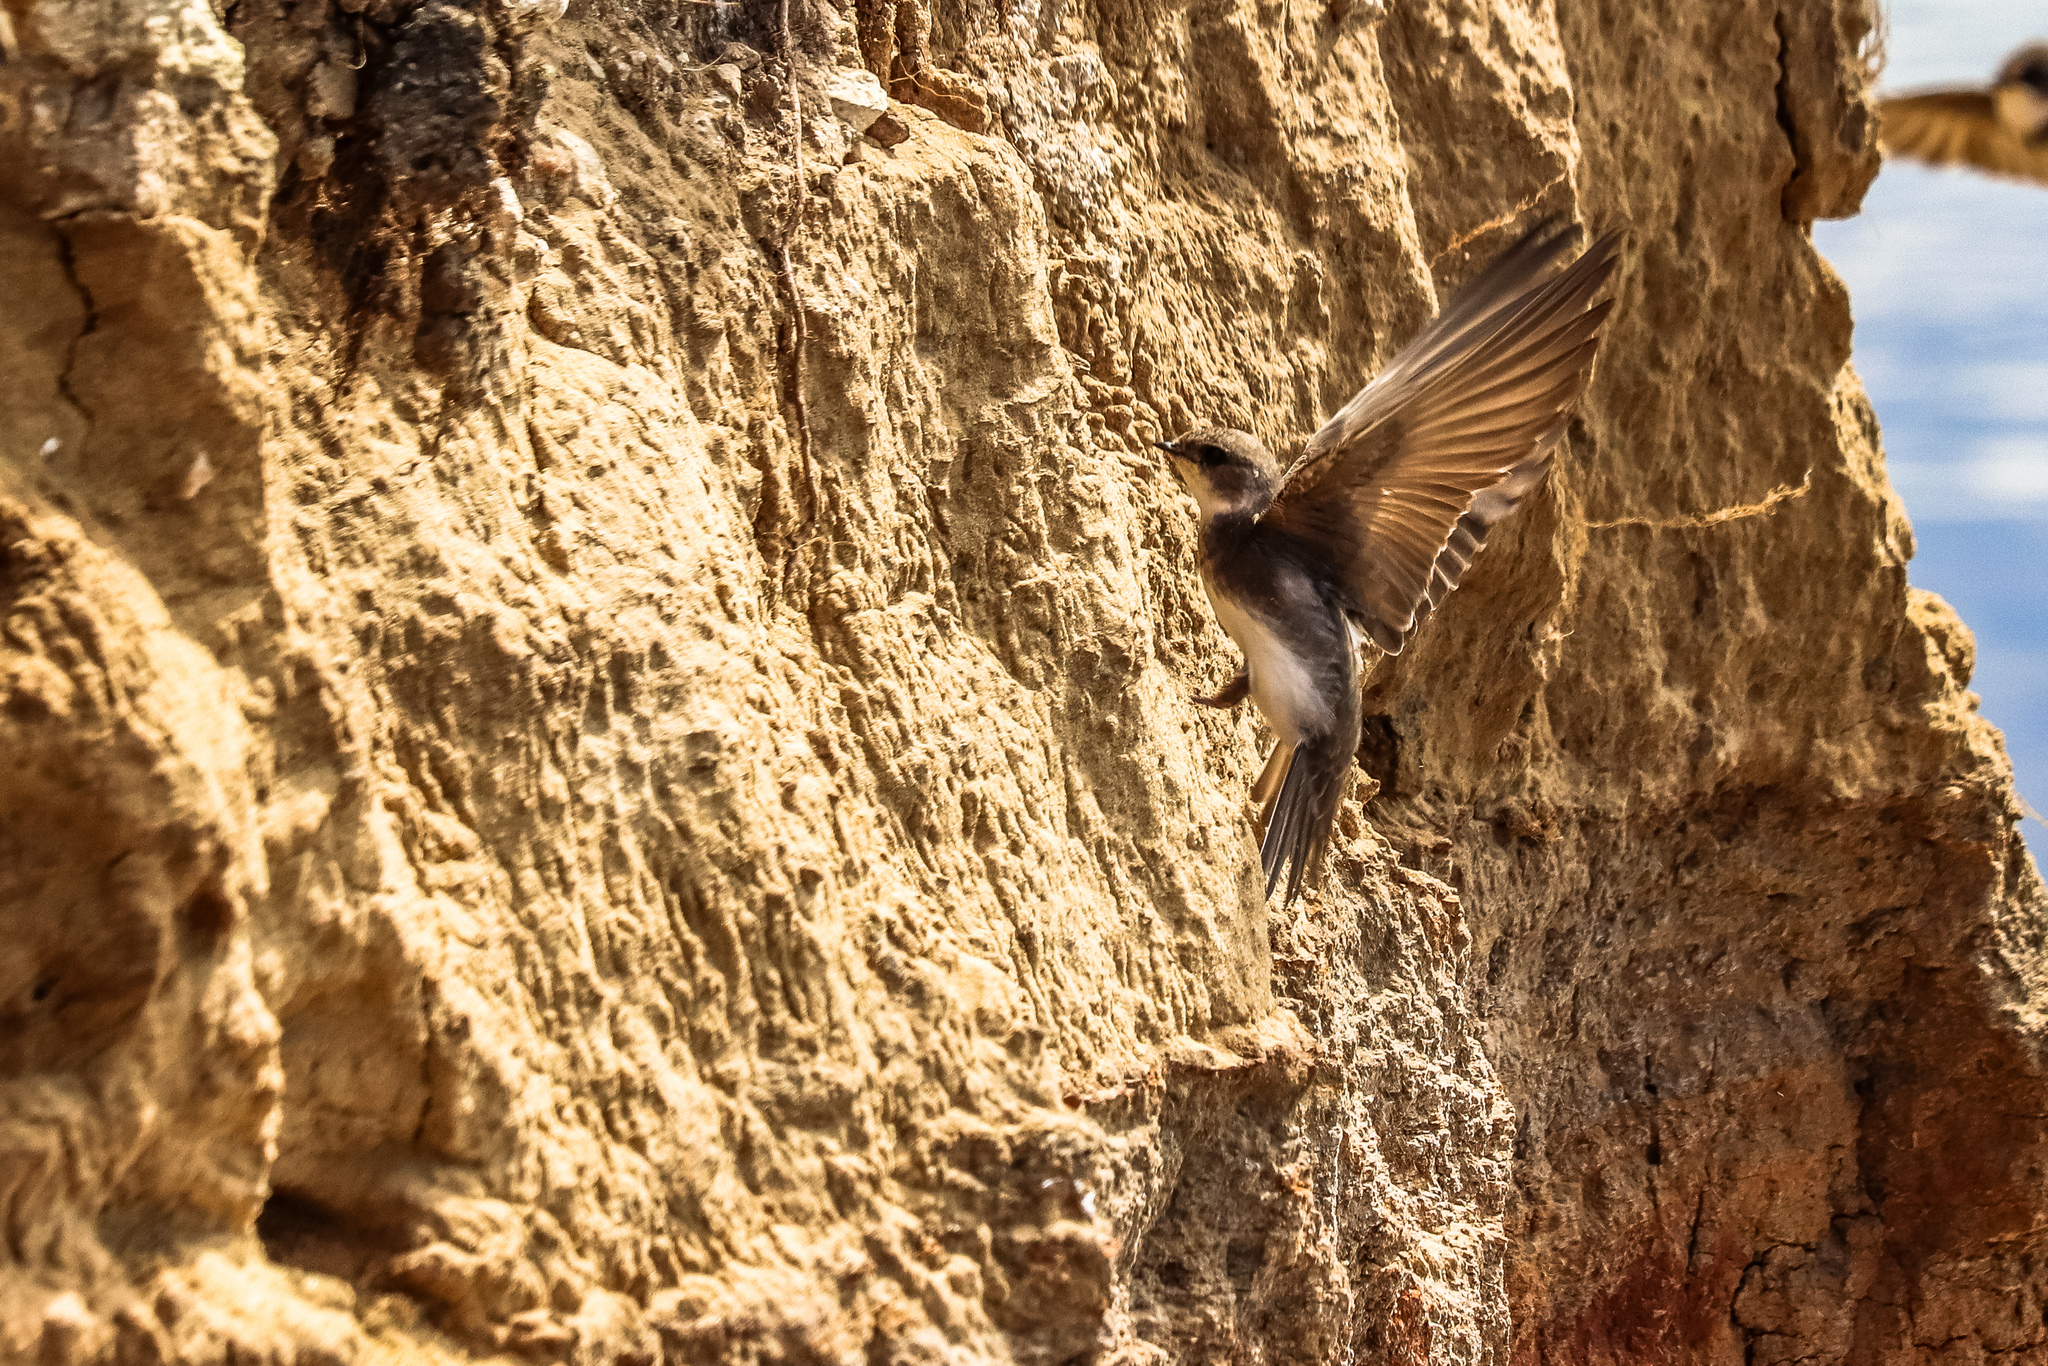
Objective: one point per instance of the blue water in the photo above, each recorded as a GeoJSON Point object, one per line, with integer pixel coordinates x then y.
{"type": "Point", "coordinates": [1948, 272]}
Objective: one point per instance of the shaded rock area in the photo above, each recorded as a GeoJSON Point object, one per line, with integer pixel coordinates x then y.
{"type": "Point", "coordinates": [595, 664]}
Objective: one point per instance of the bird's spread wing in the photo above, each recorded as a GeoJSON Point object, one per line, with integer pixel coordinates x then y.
{"type": "Point", "coordinates": [1398, 490]}
{"type": "Point", "coordinates": [1950, 127]}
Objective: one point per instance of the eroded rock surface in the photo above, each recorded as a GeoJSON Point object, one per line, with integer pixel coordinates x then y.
{"type": "Point", "coordinates": [596, 663]}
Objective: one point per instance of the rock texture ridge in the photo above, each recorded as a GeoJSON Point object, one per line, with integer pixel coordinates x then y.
{"type": "Point", "coordinates": [595, 669]}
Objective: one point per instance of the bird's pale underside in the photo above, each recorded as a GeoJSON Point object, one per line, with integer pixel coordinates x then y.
{"type": "Point", "coordinates": [1381, 515]}
{"type": "Point", "coordinates": [2002, 128]}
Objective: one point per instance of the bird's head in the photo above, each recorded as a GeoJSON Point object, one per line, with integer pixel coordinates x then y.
{"type": "Point", "coordinates": [1225, 470]}
{"type": "Point", "coordinates": [2027, 67]}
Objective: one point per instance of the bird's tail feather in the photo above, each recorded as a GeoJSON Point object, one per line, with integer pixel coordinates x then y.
{"type": "Point", "coordinates": [1266, 790]}
{"type": "Point", "coordinates": [1298, 827]}
{"type": "Point", "coordinates": [1298, 815]}
{"type": "Point", "coordinates": [1290, 806]}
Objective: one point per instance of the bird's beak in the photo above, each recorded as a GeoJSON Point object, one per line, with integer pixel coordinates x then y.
{"type": "Point", "coordinates": [1173, 459]}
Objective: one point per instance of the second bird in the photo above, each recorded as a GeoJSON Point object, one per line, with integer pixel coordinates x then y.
{"type": "Point", "coordinates": [1381, 515]}
{"type": "Point", "coordinates": [2002, 129]}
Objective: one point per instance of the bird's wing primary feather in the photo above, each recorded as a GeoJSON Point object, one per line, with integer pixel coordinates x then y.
{"type": "Point", "coordinates": [1397, 491]}
{"type": "Point", "coordinates": [1951, 127]}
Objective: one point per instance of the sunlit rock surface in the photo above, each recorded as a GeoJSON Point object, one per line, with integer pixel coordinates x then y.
{"type": "Point", "coordinates": [596, 691]}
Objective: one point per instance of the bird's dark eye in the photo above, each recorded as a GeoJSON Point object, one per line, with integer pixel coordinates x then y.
{"type": "Point", "coordinates": [2035, 74]}
{"type": "Point", "coordinates": [1211, 455]}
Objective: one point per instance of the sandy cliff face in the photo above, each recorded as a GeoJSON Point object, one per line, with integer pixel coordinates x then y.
{"type": "Point", "coordinates": [601, 759]}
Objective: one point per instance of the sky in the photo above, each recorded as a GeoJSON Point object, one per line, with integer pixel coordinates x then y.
{"type": "Point", "coordinates": [1946, 278]}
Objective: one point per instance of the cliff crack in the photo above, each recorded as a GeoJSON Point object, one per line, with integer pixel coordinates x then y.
{"type": "Point", "coordinates": [1782, 95]}
{"type": "Point", "coordinates": [68, 259]}
{"type": "Point", "coordinates": [1692, 1241]}
{"type": "Point", "coordinates": [1521, 207]}
{"type": "Point", "coordinates": [1702, 520]}
{"type": "Point", "coordinates": [799, 333]}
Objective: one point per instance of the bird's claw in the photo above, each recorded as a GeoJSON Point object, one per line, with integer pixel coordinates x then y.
{"type": "Point", "coordinates": [1230, 694]}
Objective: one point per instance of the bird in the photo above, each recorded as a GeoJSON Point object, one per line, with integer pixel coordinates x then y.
{"type": "Point", "coordinates": [1378, 518]}
{"type": "Point", "coordinates": [2002, 129]}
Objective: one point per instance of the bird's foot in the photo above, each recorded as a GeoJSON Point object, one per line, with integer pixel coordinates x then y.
{"type": "Point", "coordinates": [1231, 693]}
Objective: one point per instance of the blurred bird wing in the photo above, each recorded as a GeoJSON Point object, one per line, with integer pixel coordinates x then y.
{"type": "Point", "coordinates": [1951, 127]}
{"type": "Point", "coordinates": [1398, 490]}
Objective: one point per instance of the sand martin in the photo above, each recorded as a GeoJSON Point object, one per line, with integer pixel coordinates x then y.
{"type": "Point", "coordinates": [1381, 515]}
{"type": "Point", "coordinates": [2003, 129]}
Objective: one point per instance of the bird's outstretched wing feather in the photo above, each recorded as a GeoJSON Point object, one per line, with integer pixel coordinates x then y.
{"type": "Point", "coordinates": [1397, 491]}
{"type": "Point", "coordinates": [1960, 126]}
